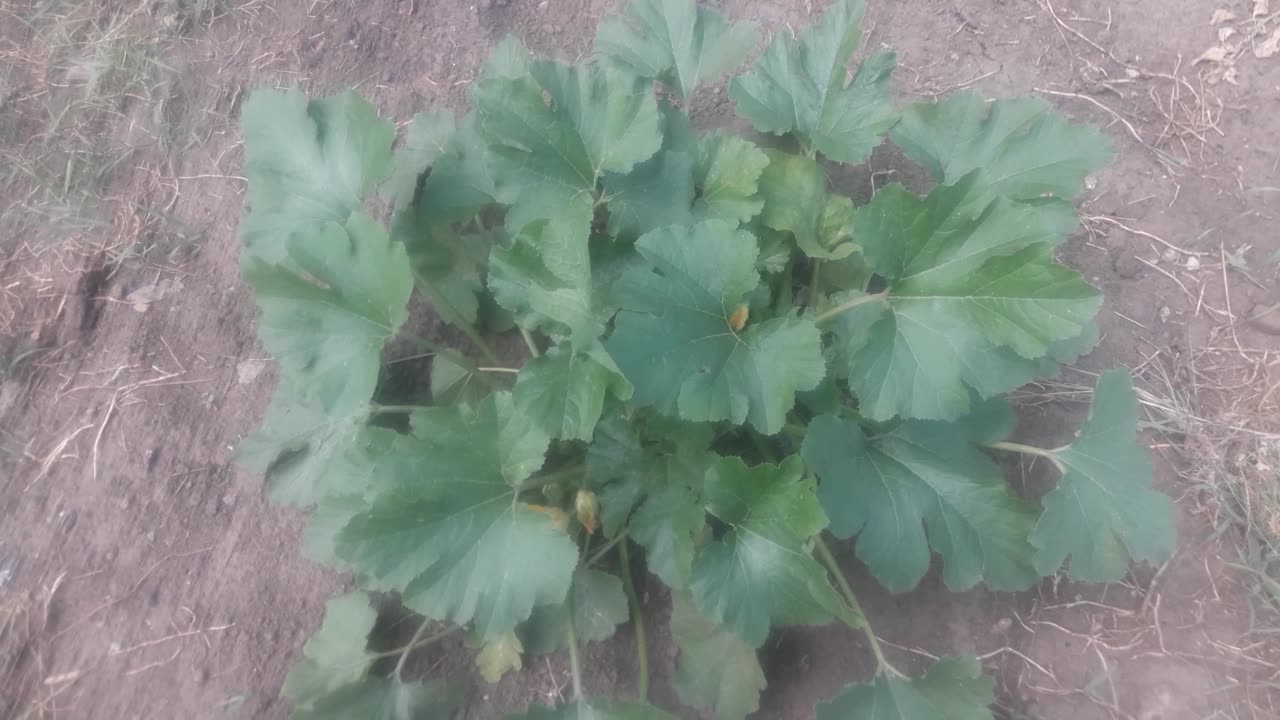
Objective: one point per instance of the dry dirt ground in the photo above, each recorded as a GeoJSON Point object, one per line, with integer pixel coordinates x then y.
{"type": "Point", "coordinates": [142, 575]}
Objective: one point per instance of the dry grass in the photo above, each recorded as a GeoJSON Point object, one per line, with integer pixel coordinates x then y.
{"type": "Point", "coordinates": [1216, 415]}
{"type": "Point", "coordinates": [92, 111]}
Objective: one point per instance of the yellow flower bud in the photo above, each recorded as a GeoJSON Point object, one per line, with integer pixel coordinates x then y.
{"type": "Point", "coordinates": [587, 505]}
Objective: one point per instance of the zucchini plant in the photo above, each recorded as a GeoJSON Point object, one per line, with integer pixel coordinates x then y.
{"type": "Point", "coordinates": [727, 366]}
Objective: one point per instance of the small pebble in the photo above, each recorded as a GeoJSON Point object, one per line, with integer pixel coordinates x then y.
{"type": "Point", "coordinates": [1193, 263]}
{"type": "Point", "coordinates": [1165, 312]}
{"type": "Point", "coordinates": [1170, 256]}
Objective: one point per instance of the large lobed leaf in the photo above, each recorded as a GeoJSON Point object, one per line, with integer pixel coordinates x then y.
{"type": "Point", "coordinates": [679, 42]}
{"type": "Point", "coordinates": [335, 655]}
{"type": "Point", "coordinates": [794, 191]}
{"type": "Point", "coordinates": [798, 86]}
{"type": "Point", "coordinates": [452, 535]}
{"type": "Point", "coordinates": [596, 605]}
{"type": "Point", "coordinates": [761, 572]}
{"type": "Point", "coordinates": [332, 682]}
{"type": "Point", "coordinates": [974, 301]}
{"type": "Point", "coordinates": [656, 192]}
{"type": "Point", "coordinates": [1103, 511]}
{"type": "Point", "coordinates": [308, 162]}
{"type": "Point", "coordinates": [953, 689]}
{"type": "Point", "coordinates": [674, 341]}
{"type": "Point", "coordinates": [543, 154]}
{"type": "Point", "coordinates": [327, 314]}
{"type": "Point", "coordinates": [564, 391]}
{"type": "Point", "coordinates": [300, 447]}
{"type": "Point", "coordinates": [717, 669]}
{"type": "Point", "coordinates": [1020, 148]}
{"type": "Point", "coordinates": [727, 173]}
{"type": "Point", "coordinates": [439, 178]}
{"type": "Point", "coordinates": [921, 486]}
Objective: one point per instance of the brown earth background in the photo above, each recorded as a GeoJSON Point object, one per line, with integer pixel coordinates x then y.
{"type": "Point", "coordinates": [142, 575]}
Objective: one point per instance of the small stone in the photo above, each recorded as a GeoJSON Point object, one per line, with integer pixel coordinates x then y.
{"type": "Point", "coordinates": [124, 503]}
{"type": "Point", "coordinates": [229, 499]}
{"type": "Point", "coordinates": [1165, 314]}
{"type": "Point", "coordinates": [1193, 263]}
{"type": "Point", "coordinates": [1132, 73]}
{"type": "Point", "coordinates": [1090, 182]}
{"type": "Point", "coordinates": [1169, 256]}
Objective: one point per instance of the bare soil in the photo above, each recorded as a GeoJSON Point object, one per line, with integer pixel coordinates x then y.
{"type": "Point", "coordinates": [143, 576]}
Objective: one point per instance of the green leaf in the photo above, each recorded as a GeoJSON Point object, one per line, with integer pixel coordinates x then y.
{"type": "Point", "coordinates": [674, 342]}
{"type": "Point", "coordinates": [794, 190]}
{"type": "Point", "coordinates": [670, 518]}
{"type": "Point", "coordinates": [383, 699]}
{"type": "Point", "coordinates": [659, 191]}
{"type": "Point", "coordinates": [971, 301]}
{"type": "Point", "coordinates": [448, 264]}
{"type": "Point", "coordinates": [599, 607]}
{"type": "Point", "coordinates": [1103, 511]}
{"type": "Point", "coordinates": [335, 655]}
{"type": "Point", "coordinates": [452, 384]}
{"type": "Point", "coordinates": [563, 391]}
{"type": "Point", "coordinates": [617, 463]}
{"type": "Point", "coordinates": [917, 487]}
{"type": "Point", "coordinates": [798, 86]}
{"type": "Point", "coordinates": [441, 169]}
{"type": "Point", "coordinates": [498, 656]}
{"type": "Point", "coordinates": [543, 155]}
{"type": "Point", "coordinates": [953, 689]}
{"type": "Point", "coordinates": [904, 236]}
{"type": "Point", "coordinates": [676, 41]}
{"type": "Point", "coordinates": [425, 142]}
{"type": "Point", "coordinates": [308, 162]}
{"type": "Point", "coordinates": [296, 447]}
{"type": "Point", "coordinates": [726, 173]}
{"type": "Point", "coordinates": [761, 572]}
{"type": "Point", "coordinates": [325, 521]}
{"type": "Point", "coordinates": [452, 535]}
{"type": "Point", "coordinates": [597, 710]}
{"type": "Point", "coordinates": [327, 322]}
{"type": "Point", "coordinates": [544, 277]}
{"type": "Point", "coordinates": [440, 179]}
{"type": "Point", "coordinates": [1021, 148]}
{"type": "Point", "coordinates": [716, 670]}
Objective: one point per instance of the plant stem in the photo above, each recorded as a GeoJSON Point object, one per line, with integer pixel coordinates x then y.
{"type": "Point", "coordinates": [842, 307]}
{"type": "Point", "coordinates": [513, 371]}
{"type": "Point", "coordinates": [572, 638]}
{"type": "Point", "coordinates": [595, 557]}
{"type": "Point", "coordinates": [414, 644]}
{"type": "Point", "coordinates": [637, 619]}
{"type": "Point", "coordinates": [882, 663]}
{"type": "Point", "coordinates": [782, 303]}
{"type": "Point", "coordinates": [528, 340]}
{"type": "Point", "coordinates": [375, 407]}
{"type": "Point", "coordinates": [1029, 450]}
{"type": "Point", "coordinates": [456, 358]}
